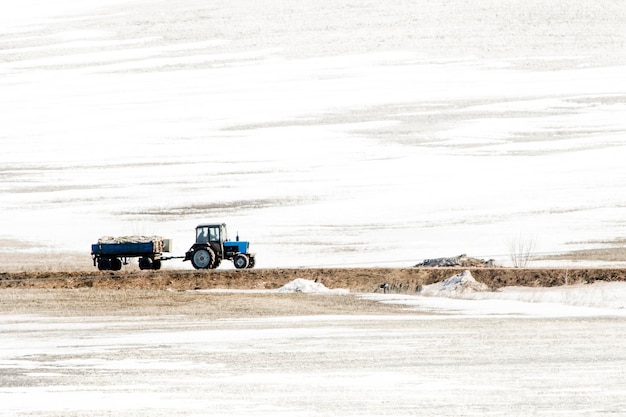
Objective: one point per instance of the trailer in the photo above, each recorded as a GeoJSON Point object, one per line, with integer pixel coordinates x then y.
{"type": "Point", "coordinates": [110, 253]}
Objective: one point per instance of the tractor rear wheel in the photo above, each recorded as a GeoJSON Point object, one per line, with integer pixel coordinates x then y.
{"type": "Point", "coordinates": [202, 259]}
{"type": "Point", "coordinates": [241, 261]}
{"type": "Point", "coordinates": [251, 263]}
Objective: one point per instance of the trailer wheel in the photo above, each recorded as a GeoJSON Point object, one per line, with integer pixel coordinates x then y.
{"type": "Point", "coordinates": [145, 263]}
{"type": "Point", "coordinates": [241, 261]}
{"type": "Point", "coordinates": [156, 265]}
{"type": "Point", "coordinates": [202, 259]}
{"type": "Point", "coordinates": [116, 264]}
{"type": "Point", "coordinates": [104, 264]}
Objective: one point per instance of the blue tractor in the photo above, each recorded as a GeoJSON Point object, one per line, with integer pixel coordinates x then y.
{"type": "Point", "coordinates": [212, 246]}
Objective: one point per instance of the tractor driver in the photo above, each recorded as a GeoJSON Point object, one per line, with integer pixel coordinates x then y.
{"type": "Point", "coordinates": [202, 237]}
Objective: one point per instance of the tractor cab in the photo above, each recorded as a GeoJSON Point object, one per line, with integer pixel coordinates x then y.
{"type": "Point", "coordinates": [206, 233]}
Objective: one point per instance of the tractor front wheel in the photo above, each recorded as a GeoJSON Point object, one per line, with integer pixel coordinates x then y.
{"type": "Point", "coordinates": [202, 259]}
{"type": "Point", "coordinates": [241, 261]}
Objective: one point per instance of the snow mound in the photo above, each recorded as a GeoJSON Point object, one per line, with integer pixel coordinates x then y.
{"type": "Point", "coordinates": [309, 287]}
{"type": "Point", "coordinates": [457, 284]}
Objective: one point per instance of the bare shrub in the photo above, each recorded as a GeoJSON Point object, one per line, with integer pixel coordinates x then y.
{"type": "Point", "coordinates": [522, 250]}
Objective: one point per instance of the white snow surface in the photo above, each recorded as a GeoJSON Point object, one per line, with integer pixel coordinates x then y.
{"type": "Point", "coordinates": [307, 286]}
{"type": "Point", "coordinates": [462, 294]}
{"type": "Point", "coordinates": [517, 352]}
{"type": "Point", "coordinates": [599, 299]}
{"type": "Point", "coordinates": [326, 134]}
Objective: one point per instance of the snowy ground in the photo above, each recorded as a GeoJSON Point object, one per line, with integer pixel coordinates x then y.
{"type": "Point", "coordinates": [327, 133]}
{"type": "Point", "coordinates": [462, 295]}
{"type": "Point", "coordinates": [334, 133]}
{"type": "Point", "coordinates": [563, 353]}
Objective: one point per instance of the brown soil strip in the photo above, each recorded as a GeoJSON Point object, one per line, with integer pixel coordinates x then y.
{"type": "Point", "coordinates": [403, 280]}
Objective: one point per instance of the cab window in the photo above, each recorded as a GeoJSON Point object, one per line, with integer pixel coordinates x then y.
{"type": "Point", "coordinates": [214, 234]}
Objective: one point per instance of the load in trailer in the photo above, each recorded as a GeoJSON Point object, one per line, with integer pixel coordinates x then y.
{"type": "Point", "coordinates": [111, 252]}
{"type": "Point", "coordinates": [213, 246]}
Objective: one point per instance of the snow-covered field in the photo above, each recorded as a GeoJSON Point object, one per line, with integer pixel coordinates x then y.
{"type": "Point", "coordinates": [327, 133]}
{"type": "Point", "coordinates": [553, 352]}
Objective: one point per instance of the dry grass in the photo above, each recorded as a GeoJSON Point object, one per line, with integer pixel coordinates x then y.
{"type": "Point", "coordinates": [38, 261]}
{"type": "Point", "coordinates": [197, 304]}
{"type": "Point", "coordinates": [603, 254]}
